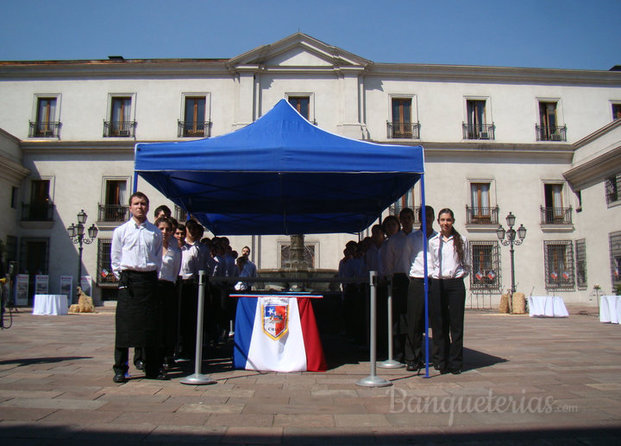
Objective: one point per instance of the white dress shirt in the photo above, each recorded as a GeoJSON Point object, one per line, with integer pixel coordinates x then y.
{"type": "Point", "coordinates": [190, 261]}
{"type": "Point", "coordinates": [446, 264]}
{"type": "Point", "coordinates": [396, 257]}
{"type": "Point", "coordinates": [417, 264]}
{"type": "Point", "coordinates": [171, 264]}
{"type": "Point", "coordinates": [137, 247]}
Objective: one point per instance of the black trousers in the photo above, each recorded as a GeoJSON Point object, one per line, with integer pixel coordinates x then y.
{"type": "Point", "coordinates": [447, 314]}
{"type": "Point", "coordinates": [400, 285]}
{"type": "Point", "coordinates": [414, 351]}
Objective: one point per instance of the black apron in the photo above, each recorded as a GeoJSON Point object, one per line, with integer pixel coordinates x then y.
{"type": "Point", "coordinates": [138, 310]}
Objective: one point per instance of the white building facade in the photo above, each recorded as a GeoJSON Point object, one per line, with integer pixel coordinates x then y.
{"type": "Point", "coordinates": [497, 140]}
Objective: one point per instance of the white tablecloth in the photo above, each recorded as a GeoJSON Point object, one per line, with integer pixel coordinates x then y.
{"type": "Point", "coordinates": [610, 309]}
{"type": "Point", "coordinates": [547, 306]}
{"type": "Point", "coordinates": [55, 304]}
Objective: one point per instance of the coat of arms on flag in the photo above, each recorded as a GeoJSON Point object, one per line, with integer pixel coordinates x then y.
{"type": "Point", "coordinates": [275, 319]}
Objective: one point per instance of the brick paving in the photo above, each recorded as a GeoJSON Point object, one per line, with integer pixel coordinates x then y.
{"type": "Point", "coordinates": [527, 381]}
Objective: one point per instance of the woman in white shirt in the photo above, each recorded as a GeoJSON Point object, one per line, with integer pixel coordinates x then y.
{"type": "Point", "coordinates": [451, 264]}
{"type": "Point", "coordinates": [167, 278]}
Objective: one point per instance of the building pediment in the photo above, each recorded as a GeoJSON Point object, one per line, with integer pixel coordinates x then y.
{"type": "Point", "coordinates": [298, 51]}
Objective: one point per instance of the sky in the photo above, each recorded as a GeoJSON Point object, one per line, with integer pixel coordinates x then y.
{"type": "Point", "coordinates": [572, 34]}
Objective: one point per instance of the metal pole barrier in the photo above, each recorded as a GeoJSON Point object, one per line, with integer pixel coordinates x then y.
{"type": "Point", "coordinates": [390, 363]}
{"type": "Point", "coordinates": [373, 380]}
{"type": "Point", "coordinates": [197, 378]}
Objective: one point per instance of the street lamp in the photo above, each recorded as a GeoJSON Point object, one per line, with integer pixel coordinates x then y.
{"type": "Point", "coordinates": [507, 238]}
{"type": "Point", "coordinates": [76, 233]}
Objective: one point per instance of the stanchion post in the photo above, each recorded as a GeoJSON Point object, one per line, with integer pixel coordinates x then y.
{"type": "Point", "coordinates": [373, 380]}
{"type": "Point", "coordinates": [390, 363]}
{"type": "Point", "coordinates": [197, 378]}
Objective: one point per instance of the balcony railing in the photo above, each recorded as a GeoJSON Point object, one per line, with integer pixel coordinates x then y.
{"type": "Point", "coordinates": [44, 129]}
{"type": "Point", "coordinates": [478, 131]}
{"type": "Point", "coordinates": [481, 216]}
{"type": "Point", "coordinates": [113, 212]}
{"type": "Point", "coordinates": [38, 211]}
{"type": "Point", "coordinates": [556, 216]}
{"type": "Point", "coordinates": [405, 130]}
{"type": "Point", "coordinates": [551, 133]}
{"type": "Point", "coordinates": [122, 129]}
{"type": "Point", "coordinates": [189, 129]}
{"type": "Point", "coordinates": [396, 208]}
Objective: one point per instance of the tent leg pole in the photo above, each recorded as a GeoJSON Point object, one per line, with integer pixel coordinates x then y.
{"type": "Point", "coordinates": [373, 380]}
{"type": "Point", "coordinates": [390, 363]}
{"type": "Point", "coordinates": [426, 271]}
{"type": "Point", "coordinates": [197, 378]}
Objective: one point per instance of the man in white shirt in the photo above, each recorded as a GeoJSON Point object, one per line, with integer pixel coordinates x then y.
{"type": "Point", "coordinates": [136, 258]}
{"type": "Point", "coordinates": [397, 263]}
{"type": "Point", "coordinates": [414, 355]}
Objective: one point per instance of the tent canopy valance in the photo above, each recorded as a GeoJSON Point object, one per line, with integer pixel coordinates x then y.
{"type": "Point", "coordinates": [280, 175]}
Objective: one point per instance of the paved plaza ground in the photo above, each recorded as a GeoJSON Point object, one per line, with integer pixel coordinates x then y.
{"type": "Point", "coordinates": [527, 381]}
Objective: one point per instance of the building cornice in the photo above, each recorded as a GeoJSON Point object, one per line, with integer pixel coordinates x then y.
{"type": "Point", "coordinates": [12, 171]}
{"type": "Point", "coordinates": [82, 147]}
{"type": "Point", "coordinates": [595, 170]}
{"type": "Point", "coordinates": [597, 134]}
{"type": "Point", "coordinates": [466, 73]}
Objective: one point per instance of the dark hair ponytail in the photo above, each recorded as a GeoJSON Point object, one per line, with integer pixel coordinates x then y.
{"type": "Point", "coordinates": [458, 242]}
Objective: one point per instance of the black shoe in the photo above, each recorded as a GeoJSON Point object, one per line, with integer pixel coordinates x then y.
{"type": "Point", "coordinates": [139, 365]}
{"type": "Point", "coordinates": [119, 378]}
{"type": "Point", "coordinates": [410, 366]}
{"type": "Point", "coordinates": [160, 376]}
{"type": "Point", "coordinates": [456, 371]}
{"type": "Point", "coordinates": [444, 371]}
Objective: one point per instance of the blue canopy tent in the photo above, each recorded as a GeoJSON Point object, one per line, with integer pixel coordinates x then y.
{"type": "Point", "coordinates": [280, 175]}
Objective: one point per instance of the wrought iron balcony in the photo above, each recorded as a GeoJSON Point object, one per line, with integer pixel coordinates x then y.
{"type": "Point", "coordinates": [551, 133]}
{"type": "Point", "coordinates": [478, 131]}
{"type": "Point", "coordinates": [405, 130]}
{"type": "Point", "coordinates": [191, 129]}
{"type": "Point", "coordinates": [396, 208]}
{"type": "Point", "coordinates": [113, 212]}
{"type": "Point", "coordinates": [481, 215]}
{"type": "Point", "coordinates": [44, 129]}
{"type": "Point", "coordinates": [556, 216]}
{"type": "Point", "coordinates": [38, 211]}
{"type": "Point", "coordinates": [121, 129]}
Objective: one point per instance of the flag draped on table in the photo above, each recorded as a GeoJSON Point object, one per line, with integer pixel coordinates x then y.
{"type": "Point", "coordinates": [274, 333]}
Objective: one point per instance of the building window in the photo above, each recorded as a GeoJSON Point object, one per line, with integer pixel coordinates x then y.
{"type": "Point", "coordinates": [14, 197]}
{"type": "Point", "coordinates": [301, 104]}
{"type": "Point", "coordinates": [40, 207]}
{"type": "Point", "coordinates": [401, 125]}
{"type": "Point", "coordinates": [548, 128]}
{"type": "Point", "coordinates": [114, 207]}
{"type": "Point", "coordinates": [616, 111]}
{"type": "Point", "coordinates": [481, 211]}
{"type": "Point", "coordinates": [310, 250]}
{"type": "Point", "coordinates": [559, 264]}
{"type": "Point", "coordinates": [613, 187]}
{"type": "Point", "coordinates": [46, 123]}
{"type": "Point", "coordinates": [553, 211]}
{"type": "Point", "coordinates": [581, 273]}
{"type": "Point", "coordinates": [195, 122]}
{"type": "Point", "coordinates": [120, 123]}
{"type": "Point", "coordinates": [615, 260]}
{"type": "Point", "coordinates": [34, 256]}
{"type": "Point", "coordinates": [104, 265]}
{"type": "Point", "coordinates": [476, 126]}
{"type": "Point", "coordinates": [485, 266]}
{"type": "Point", "coordinates": [180, 214]}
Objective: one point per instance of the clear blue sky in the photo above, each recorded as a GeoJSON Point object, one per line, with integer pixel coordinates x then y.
{"type": "Point", "coordinates": [526, 33]}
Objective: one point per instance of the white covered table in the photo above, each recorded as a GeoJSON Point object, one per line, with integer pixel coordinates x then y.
{"type": "Point", "coordinates": [52, 304]}
{"type": "Point", "coordinates": [610, 309]}
{"type": "Point", "coordinates": [547, 306]}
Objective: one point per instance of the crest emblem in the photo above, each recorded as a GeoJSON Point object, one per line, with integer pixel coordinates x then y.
{"type": "Point", "coordinates": [275, 319]}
